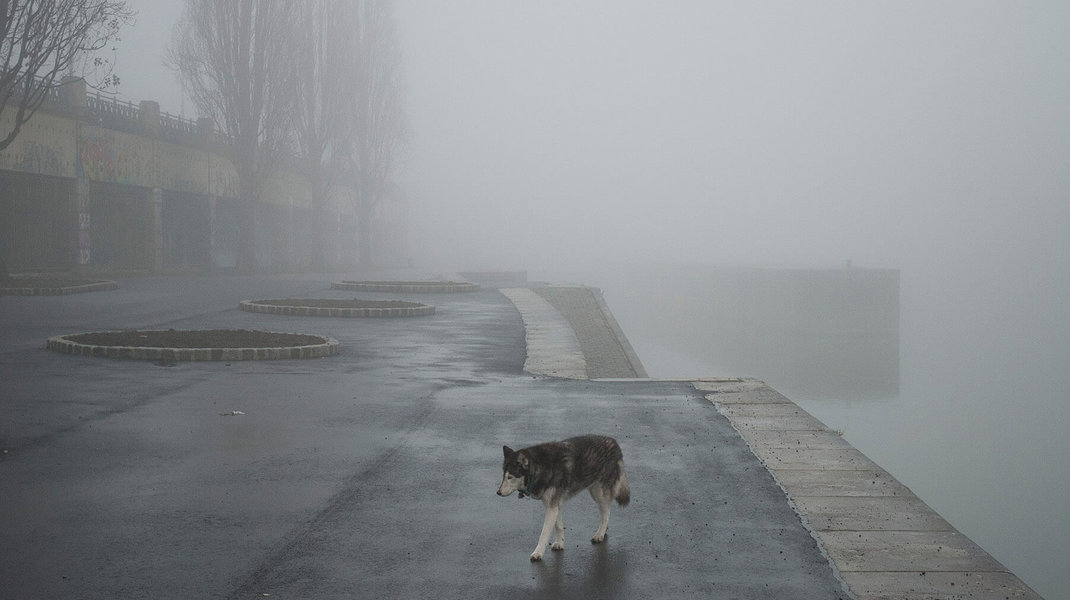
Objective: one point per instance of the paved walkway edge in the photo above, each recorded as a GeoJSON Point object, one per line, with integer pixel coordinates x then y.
{"type": "Point", "coordinates": [881, 540]}
{"type": "Point", "coordinates": [884, 542]}
{"type": "Point", "coordinates": [622, 339]}
{"type": "Point", "coordinates": [552, 346]}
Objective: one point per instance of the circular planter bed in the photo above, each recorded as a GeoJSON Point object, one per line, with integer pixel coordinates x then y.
{"type": "Point", "coordinates": [53, 286]}
{"type": "Point", "coordinates": [417, 287]}
{"type": "Point", "coordinates": [202, 344]}
{"type": "Point", "coordinates": [355, 308]}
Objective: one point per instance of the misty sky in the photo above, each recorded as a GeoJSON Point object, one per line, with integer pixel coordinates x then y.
{"type": "Point", "coordinates": [754, 133]}
{"type": "Point", "coordinates": [551, 132]}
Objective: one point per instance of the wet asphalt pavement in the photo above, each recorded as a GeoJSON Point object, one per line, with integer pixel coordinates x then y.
{"type": "Point", "coordinates": [371, 474]}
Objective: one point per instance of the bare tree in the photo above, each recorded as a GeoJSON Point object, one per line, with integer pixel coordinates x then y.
{"type": "Point", "coordinates": [236, 59]}
{"type": "Point", "coordinates": [377, 122]}
{"type": "Point", "coordinates": [323, 56]}
{"type": "Point", "coordinates": [42, 40]}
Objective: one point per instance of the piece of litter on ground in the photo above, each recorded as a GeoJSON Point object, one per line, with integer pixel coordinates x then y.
{"type": "Point", "coordinates": [231, 413]}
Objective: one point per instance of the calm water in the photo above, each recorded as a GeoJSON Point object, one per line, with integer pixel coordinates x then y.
{"type": "Point", "coordinates": [966, 403]}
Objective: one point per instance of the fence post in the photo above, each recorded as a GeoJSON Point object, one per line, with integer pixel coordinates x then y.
{"type": "Point", "coordinates": [73, 93]}
{"type": "Point", "coordinates": [149, 112]}
{"type": "Point", "coordinates": [84, 241]}
{"type": "Point", "coordinates": [157, 229]}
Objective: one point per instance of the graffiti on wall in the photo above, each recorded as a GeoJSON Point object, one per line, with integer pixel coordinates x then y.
{"type": "Point", "coordinates": [44, 146]}
{"type": "Point", "coordinates": [95, 158]}
{"type": "Point", "coordinates": [39, 158]}
{"type": "Point", "coordinates": [115, 157]}
{"type": "Point", "coordinates": [59, 146]}
{"type": "Point", "coordinates": [84, 223]}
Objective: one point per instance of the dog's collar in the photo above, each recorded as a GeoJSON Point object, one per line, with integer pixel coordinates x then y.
{"type": "Point", "coordinates": [531, 486]}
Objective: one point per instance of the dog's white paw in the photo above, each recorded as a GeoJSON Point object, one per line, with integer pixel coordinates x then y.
{"type": "Point", "coordinates": [598, 539]}
{"type": "Point", "coordinates": [536, 556]}
{"type": "Point", "coordinates": [558, 546]}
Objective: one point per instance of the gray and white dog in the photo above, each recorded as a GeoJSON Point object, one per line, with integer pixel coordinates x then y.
{"type": "Point", "coordinates": [556, 471]}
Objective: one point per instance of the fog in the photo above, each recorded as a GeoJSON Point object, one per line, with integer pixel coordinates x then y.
{"type": "Point", "coordinates": [609, 142]}
{"type": "Point", "coordinates": [549, 134]}
{"type": "Point", "coordinates": [600, 141]}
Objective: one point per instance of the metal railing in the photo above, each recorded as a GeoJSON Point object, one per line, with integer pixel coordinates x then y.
{"type": "Point", "coordinates": [109, 111]}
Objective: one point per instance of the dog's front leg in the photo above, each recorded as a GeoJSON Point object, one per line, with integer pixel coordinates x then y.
{"type": "Point", "coordinates": [559, 533]}
{"type": "Point", "coordinates": [552, 513]}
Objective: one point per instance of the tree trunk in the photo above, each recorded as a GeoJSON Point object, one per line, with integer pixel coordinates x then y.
{"type": "Point", "coordinates": [365, 228]}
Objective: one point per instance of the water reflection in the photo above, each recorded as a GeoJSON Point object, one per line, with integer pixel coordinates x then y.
{"type": "Point", "coordinates": [600, 574]}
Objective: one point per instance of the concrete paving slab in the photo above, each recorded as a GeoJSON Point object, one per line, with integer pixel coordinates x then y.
{"type": "Point", "coordinates": [733, 385]}
{"type": "Point", "coordinates": [824, 483]}
{"type": "Point", "coordinates": [796, 439]}
{"type": "Point", "coordinates": [918, 585]}
{"type": "Point", "coordinates": [869, 513]}
{"type": "Point", "coordinates": [776, 417]}
{"type": "Point", "coordinates": [888, 551]}
{"type": "Point", "coordinates": [837, 459]}
{"type": "Point", "coordinates": [763, 395]}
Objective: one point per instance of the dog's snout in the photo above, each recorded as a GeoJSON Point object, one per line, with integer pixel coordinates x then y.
{"type": "Point", "coordinates": [499, 492]}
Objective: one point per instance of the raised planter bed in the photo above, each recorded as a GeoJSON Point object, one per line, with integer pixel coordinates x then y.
{"type": "Point", "coordinates": [190, 345]}
{"type": "Point", "coordinates": [53, 286]}
{"type": "Point", "coordinates": [353, 308]}
{"type": "Point", "coordinates": [410, 287]}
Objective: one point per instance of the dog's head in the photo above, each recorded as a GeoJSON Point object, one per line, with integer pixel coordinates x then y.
{"type": "Point", "coordinates": [514, 472]}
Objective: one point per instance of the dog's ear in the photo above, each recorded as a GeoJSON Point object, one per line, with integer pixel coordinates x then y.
{"type": "Point", "coordinates": [507, 451]}
{"type": "Point", "coordinates": [523, 460]}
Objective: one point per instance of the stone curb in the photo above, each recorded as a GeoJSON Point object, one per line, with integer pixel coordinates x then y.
{"type": "Point", "coordinates": [97, 286]}
{"type": "Point", "coordinates": [329, 347]}
{"type": "Point", "coordinates": [611, 321]}
{"type": "Point", "coordinates": [430, 287]}
{"type": "Point", "coordinates": [882, 540]}
{"type": "Point", "coordinates": [255, 306]}
{"type": "Point", "coordinates": [552, 347]}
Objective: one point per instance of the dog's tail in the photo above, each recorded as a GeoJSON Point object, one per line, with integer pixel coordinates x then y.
{"type": "Point", "coordinates": [621, 492]}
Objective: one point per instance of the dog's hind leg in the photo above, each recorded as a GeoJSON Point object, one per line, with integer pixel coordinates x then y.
{"type": "Point", "coordinates": [553, 514]}
{"type": "Point", "coordinates": [604, 499]}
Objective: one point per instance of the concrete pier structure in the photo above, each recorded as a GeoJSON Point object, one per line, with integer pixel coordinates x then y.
{"type": "Point", "coordinates": [885, 542]}
{"type": "Point", "coordinates": [343, 476]}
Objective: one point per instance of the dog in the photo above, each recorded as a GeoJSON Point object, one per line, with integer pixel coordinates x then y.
{"type": "Point", "coordinates": [556, 471]}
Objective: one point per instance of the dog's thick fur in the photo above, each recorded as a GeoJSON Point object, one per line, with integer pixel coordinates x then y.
{"type": "Point", "coordinates": [556, 471]}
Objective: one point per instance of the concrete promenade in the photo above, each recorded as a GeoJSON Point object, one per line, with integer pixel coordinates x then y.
{"type": "Point", "coordinates": [371, 473]}
{"type": "Point", "coordinates": [883, 541]}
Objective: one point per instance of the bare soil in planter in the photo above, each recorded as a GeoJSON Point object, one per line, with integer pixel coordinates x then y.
{"type": "Point", "coordinates": [52, 286]}
{"type": "Point", "coordinates": [45, 282]}
{"type": "Point", "coordinates": [428, 282]}
{"type": "Point", "coordinates": [350, 303]}
{"type": "Point", "coordinates": [205, 338]}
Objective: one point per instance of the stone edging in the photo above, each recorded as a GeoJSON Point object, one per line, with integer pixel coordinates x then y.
{"type": "Point", "coordinates": [611, 321]}
{"type": "Point", "coordinates": [329, 347]}
{"type": "Point", "coordinates": [96, 286]}
{"type": "Point", "coordinates": [429, 287]}
{"type": "Point", "coordinates": [882, 541]}
{"type": "Point", "coordinates": [317, 311]}
{"type": "Point", "coordinates": [553, 349]}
